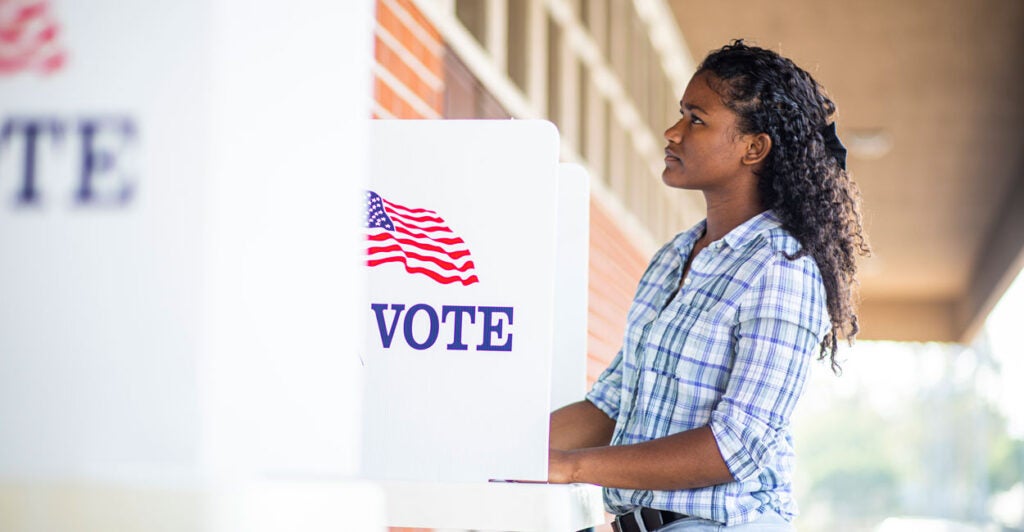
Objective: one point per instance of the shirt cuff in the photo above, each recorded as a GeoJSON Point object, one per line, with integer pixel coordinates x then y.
{"type": "Point", "coordinates": [746, 443]}
{"type": "Point", "coordinates": [605, 399]}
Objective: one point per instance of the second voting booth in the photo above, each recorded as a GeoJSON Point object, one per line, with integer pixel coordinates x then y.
{"type": "Point", "coordinates": [476, 249]}
{"type": "Point", "coordinates": [179, 183]}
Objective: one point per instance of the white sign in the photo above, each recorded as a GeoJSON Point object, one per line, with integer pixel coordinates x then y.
{"type": "Point", "coordinates": [178, 181]}
{"type": "Point", "coordinates": [461, 227]}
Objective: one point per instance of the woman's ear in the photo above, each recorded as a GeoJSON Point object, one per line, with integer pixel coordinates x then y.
{"type": "Point", "coordinates": [758, 147]}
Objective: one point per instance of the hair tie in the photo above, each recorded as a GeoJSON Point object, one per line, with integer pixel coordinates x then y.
{"type": "Point", "coordinates": [834, 145]}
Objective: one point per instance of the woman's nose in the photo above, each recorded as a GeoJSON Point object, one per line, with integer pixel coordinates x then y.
{"type": "Point", "coordinates": [675, 132]}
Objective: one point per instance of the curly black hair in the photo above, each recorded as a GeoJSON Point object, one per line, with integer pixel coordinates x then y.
{"type": "Point", "coordinates": [800, 180]}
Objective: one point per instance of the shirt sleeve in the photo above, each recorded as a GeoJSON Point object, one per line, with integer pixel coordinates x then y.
{"type": "Point", "coordinates": [607, 391]}
{"type": "Point", "coordinates": [780, 324]}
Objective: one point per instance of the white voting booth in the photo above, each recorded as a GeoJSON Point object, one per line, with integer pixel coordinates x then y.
{"type": "Point", "coordinates": [184, 282]}
{"type": "Point", "coordinates": [572, 257]}
{"type": "Point", "coordinates": [476, 322]}
{"type": "Point", "coordinates": [180, 185]}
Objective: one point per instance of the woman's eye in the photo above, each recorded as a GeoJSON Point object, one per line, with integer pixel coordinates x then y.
{"type": "Point", "coordinates": [693, 117]}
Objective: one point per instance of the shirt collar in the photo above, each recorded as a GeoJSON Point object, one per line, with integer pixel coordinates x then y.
{"type": "Point", "coordinates": [685, 241]}
{"type": "Point", "coordinates": [750, 229]}
{"type": "Point", "coordinates": [737, 238]}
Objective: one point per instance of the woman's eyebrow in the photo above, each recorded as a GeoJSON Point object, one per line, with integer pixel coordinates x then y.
{"type": "Point", "coordinates": [691, 107]}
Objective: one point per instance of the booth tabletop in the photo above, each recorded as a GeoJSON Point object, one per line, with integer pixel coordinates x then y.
{"type": "Point", "coordinates": [510, 506]}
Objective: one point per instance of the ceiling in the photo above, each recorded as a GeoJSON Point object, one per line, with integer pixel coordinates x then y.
{"type": "Point", "coordinates": [931, 104]}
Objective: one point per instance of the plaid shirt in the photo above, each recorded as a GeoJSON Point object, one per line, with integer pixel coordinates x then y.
{"type": "Point", "coordinates": [730, 350]}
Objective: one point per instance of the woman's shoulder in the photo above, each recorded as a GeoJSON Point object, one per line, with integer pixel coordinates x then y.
{"type": "Point", "coordinates": [772, 243]}
{"type": "Point", "coordinates": [787, 284]}
{"type": "Point", "coordinates": [782, 242]}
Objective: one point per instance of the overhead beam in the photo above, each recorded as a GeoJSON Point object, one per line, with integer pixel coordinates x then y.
{"type": "Point", "coordinates": [907, 321]}
{"type": "Point", "coordinates": [1000, 260]}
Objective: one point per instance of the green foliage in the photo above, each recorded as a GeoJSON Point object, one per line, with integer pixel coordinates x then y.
{"type": "Point", "coordinates": [844, 457]}
{"type": "Point", "coordinates": [941, 450]}
{"type": "Point", "coordinates": [1006, 463]}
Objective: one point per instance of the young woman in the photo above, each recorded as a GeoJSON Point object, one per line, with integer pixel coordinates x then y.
{"type": "Point", "coordinates": [688, 428]}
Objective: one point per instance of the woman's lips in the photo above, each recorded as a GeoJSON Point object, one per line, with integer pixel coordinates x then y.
{"type": "Point", "coordinates": [671, 157]}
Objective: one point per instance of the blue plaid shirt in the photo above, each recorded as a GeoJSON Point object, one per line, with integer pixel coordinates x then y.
{"type": "Point", "coordinates": [731, 350]}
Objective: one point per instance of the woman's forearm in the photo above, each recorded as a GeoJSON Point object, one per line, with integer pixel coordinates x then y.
{"type": "Point", "coordinates": [580, 425]}
{"type": "Point", "coordinates": [686, 460]}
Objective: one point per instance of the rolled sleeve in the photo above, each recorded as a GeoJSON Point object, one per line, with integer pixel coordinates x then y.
{"type": "Point", "coordinates": [777, 333]}
{"type": "Point", "coordinates": [607, 390]}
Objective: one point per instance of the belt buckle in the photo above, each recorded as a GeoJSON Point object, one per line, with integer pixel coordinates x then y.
{"type": "Point", "coordinates": [642, 520]}
{"type": "Point", "coordinates": [651, 518]}
{"type": "Point", "coordinates": [630, 522]}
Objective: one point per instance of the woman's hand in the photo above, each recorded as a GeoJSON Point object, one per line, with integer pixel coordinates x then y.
{"type": "Point", "coordinates": [561, 467]}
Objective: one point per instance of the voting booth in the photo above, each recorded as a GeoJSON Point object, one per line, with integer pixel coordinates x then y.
{"type": "Point", "coordinates": [180, 185]}
{"type": "Point", "coordinates": [476, 250]}
{"type": "Point", "coordinates": [197, 234]}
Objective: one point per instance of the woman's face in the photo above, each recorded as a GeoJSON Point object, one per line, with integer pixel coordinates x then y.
{"type": "Point", "coordinates": [705, 146]}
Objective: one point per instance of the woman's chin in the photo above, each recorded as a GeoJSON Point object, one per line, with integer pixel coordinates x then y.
{"type": "Point", "coordinates": [672, 178]}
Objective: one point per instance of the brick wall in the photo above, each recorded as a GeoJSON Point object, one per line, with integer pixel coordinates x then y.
{"type": "Point", "coordinates": [615, 269]}
{"type": "Point", "coordinates": [408, 79]}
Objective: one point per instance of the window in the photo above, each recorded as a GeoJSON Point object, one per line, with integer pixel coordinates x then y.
{"type": "Point", "coordinates": [584, 121]}
{"type": "Point", "coordinates": [554, 71]}
{"type": "Point", "coordinates": [518, 42]}
{"type": "Point", "coordinates": [534, 51]}
{"type": "Point", "coordinates": [473, 15]}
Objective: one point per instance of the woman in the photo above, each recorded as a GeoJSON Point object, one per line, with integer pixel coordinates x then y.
{"type": "Point", "coordinates": [687, 429]}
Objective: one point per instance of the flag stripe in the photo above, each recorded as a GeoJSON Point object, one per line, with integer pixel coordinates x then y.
{"type": "Point", "coordinates": [425, 227]}
{"type": "Point", "coordinates": [458, 254]}
{"type": "Point", "coordinates": [429, 273]}
{"type": "Point", "coordinates": [429, 229]}
{"type": "Point", "coordinates": [449, 241]}
{"type": "Point", "coordinates": [411, 218]}
{"type": "Point", "coordinates": [428, 244]}
{"type": "Point", "coordinates": [408, 209]}
{"type": "Point", "coordinates": [413, 262]}
{"type": "Point", "coordinates": [468, 265]}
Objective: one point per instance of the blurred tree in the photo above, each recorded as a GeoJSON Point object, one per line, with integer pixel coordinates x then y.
{"type": "Point", "coordinates": [1006, 463]}
{"type": "Point", "coordinates": [849, 464]}
{"type": "Point", "coordinates": [942, 451]}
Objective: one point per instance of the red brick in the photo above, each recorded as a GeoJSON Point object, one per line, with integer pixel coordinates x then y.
{"type": "Point", "coordinates": [419, 18]}
{"type": "Point", "coordinates": [615, 268]}
{"type": "Point", "coordinates": [391, 62]}
{"type": "Point", "coordinates": [409, 40]}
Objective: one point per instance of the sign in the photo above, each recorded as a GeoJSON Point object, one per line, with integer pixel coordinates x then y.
{"type": "Point", "coordinates": [460, 227]}
{"type": "Point", "coordinates": [179, 185]}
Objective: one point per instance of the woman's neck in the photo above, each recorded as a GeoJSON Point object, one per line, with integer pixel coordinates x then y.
{"type": "Point", "coordinates": [726, 212]}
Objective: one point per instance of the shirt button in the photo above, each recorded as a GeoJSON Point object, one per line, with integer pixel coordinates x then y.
{"type": "Point", "coordinates": [687, 281]}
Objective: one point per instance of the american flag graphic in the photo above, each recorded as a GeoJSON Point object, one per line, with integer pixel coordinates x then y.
{"type": "Point", "coordinates": [419, 239]}
{"type": "Point", "coordinates": [29, 38]}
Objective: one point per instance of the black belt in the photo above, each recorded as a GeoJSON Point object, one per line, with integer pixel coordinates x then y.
{"type": "Point", "coordinates": [652, 520]}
